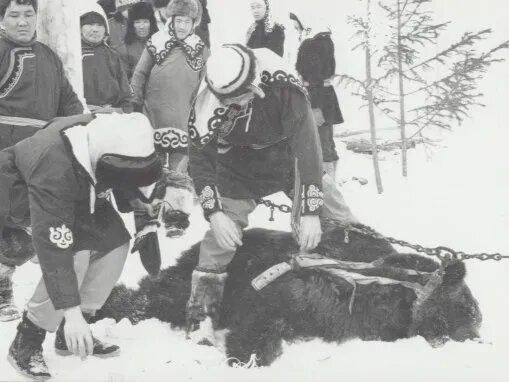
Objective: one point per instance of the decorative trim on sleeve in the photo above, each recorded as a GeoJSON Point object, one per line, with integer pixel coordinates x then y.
{"type": "Point", "coordinates": [210, 200]}
{"type": "Point", "coordinates": [312, 199]}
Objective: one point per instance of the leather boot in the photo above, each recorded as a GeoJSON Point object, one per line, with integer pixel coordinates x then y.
{"type": "Point", "coordinates": [25, 353]}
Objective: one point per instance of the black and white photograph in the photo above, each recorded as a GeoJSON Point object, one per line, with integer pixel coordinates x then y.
{"type": "Point", "coordinates": [254, 190]}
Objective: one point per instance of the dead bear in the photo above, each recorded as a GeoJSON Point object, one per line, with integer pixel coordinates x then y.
{"type": "Point", "coordinates": [395, 296]}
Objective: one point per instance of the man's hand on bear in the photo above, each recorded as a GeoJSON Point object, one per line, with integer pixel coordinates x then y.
{"type": "Point", "coordinates": [310, 232]}
{"type": "Point", "coordinates": [226, 232]}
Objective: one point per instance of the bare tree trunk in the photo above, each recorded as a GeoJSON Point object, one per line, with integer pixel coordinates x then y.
{"type": "Point", "coordinates": [371, 107]}
{"type": "Point", "coordinates": [402, 117]}
{"type": "Point", "coordinates": [59, 27]}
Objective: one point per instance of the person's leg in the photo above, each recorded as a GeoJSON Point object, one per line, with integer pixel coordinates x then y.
{"type": "Point", "coordinates": [101, 276]}
{"type": "Point", "coordinates": [25, 352]}
{"type": "Point", "coordinates": [8, 311]}
{"type": "Point", "coordinates": [40, 309]}
{"type": "Point", "coordinates": [209, 276]}
{"type": "Point", "coordinates": [334, 205]}
{"type": "Point", "coordinates": [330, 156]}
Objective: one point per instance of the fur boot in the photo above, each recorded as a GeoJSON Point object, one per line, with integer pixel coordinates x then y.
{"type": "Point", "coordinates": [204, 306]}
{"type": "Point", "coordinates": [8, 311]}
{"type": "Point", "coordinates": [25, 353]}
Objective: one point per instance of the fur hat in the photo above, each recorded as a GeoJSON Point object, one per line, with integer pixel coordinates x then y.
{"type": "Point", "coordinates": [231, 70]}
{"type": "Point", "coordinates": [141, 11]}
{"type": "Point", "coordinates": [190, 8]}
{"type": "Point", "coordinates": [122, 5]}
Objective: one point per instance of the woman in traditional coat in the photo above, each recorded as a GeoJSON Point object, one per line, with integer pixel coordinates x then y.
{"type": "Point", "coordinates": [106, 87]}
{"type": "Point", "coordinates": [316, 65]}
{"type": "Point", "coordinates": [265, 32]}
{"type": "Point", "coordinates": [167, 77]}
{"type": "Point", "coordinates": [141, 25]}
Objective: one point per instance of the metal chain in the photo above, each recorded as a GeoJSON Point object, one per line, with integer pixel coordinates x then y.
{"type": "Point", "coordinates": [443, 253]}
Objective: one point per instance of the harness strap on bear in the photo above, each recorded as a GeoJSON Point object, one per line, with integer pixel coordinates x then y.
{"type": "Point", "coordinates": [346, 270]}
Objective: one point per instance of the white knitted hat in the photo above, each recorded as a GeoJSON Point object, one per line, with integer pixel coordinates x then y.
{"type": "Point", "coordinates": [230, 69]}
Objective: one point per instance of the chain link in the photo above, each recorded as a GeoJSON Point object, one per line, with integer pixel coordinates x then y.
{"type": "Point", "coordinates": [441, 252]}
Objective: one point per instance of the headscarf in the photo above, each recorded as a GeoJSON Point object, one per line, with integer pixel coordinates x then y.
{"type": "Point", "coordinates": [268, 22]}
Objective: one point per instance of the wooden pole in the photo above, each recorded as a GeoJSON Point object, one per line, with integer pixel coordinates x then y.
{"type": "Point", "coordinates": [58, 26]}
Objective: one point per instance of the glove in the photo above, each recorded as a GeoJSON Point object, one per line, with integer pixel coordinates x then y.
{"type": "Point", "coordinates": [146, 243]}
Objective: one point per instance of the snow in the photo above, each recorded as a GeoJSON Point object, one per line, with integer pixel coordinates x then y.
{"type": "Point", "coordinates": [455, 195]}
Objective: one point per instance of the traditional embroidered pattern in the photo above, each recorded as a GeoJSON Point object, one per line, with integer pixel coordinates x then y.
{"type": "Point", "coordinates": [280, 77]}
{"type": "Point", "coordinates": [209, 199]}
{"type": "Point", "coordinates": [61, 236]}
{"type": "Point", "coordinates": [312, 199]}
{"type": "Point", "coordinates": [15, 70]}
{"type": "Point", "coordinates": [168, 138]}
{"type": "Point", "coordinates": [192, 45]}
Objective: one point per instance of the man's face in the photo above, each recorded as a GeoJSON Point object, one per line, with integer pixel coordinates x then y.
{"type": "Point", "coordinates": [142, 27]}
{"type": "Point", "coordinates": [93, 33]}
{"type": "Point", "coordinates": [183, 26]}
{"type": "Point", "coordinates": [20, 22]}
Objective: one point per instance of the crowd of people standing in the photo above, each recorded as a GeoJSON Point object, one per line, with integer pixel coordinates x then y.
{"type": "Point", "coordinates": [235, 122]}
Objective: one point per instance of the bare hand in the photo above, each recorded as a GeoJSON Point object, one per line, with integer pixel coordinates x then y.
{"type": "Point", "coordinates": [319, 119]}
{"type": "Point", "coordinates": [227, 233]}
{"type": "Point", "coordinates": [310, 232]}
{"type": "Point", "coordinates": [77, 333]}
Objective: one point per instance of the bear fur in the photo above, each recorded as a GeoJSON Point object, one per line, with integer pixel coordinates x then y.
{"type": "Point", "coordinates": [310, 303]}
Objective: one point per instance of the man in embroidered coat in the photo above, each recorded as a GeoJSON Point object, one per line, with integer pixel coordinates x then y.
{"type": "Point", "coordinates": [69, 170]}
{"type": "Point", "coordinates": [33, 90]}
{"type": "Point", "coordinates": [105, 83]}
{"type": "Point", "coordinates": [250, 122]}
{"type": "Point", "coordinates": [167, 77]}
{"type": "Point", "coordinates": [32, 80]}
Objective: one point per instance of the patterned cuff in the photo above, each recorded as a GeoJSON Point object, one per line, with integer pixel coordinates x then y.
{"type": "Point", "coordinates": [312, 199]}
{"type": "Point", "coordinates": [170, 140]}
{"type": "Point", "coordinates": [210, 200]}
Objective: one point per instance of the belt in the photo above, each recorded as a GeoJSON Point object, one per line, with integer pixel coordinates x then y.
{"type": "Point", "coordinates": [326, 83]}
{"type": "Point", "coordinates": [20, 121]}
{"type": "Point", "coordinates": [104, 109]}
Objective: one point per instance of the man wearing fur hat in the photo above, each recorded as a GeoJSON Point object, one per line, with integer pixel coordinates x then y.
{"type": "Point", "coordinates": [70, 170]}
{"type": "Point", "coordinates": [167, 77]}
{"type": "Point", "coordinates": [33, 90]}
{"type": "Point", "coordinates": [251, 121]}
{"type": "Point", "coordinates": [106, 87]}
